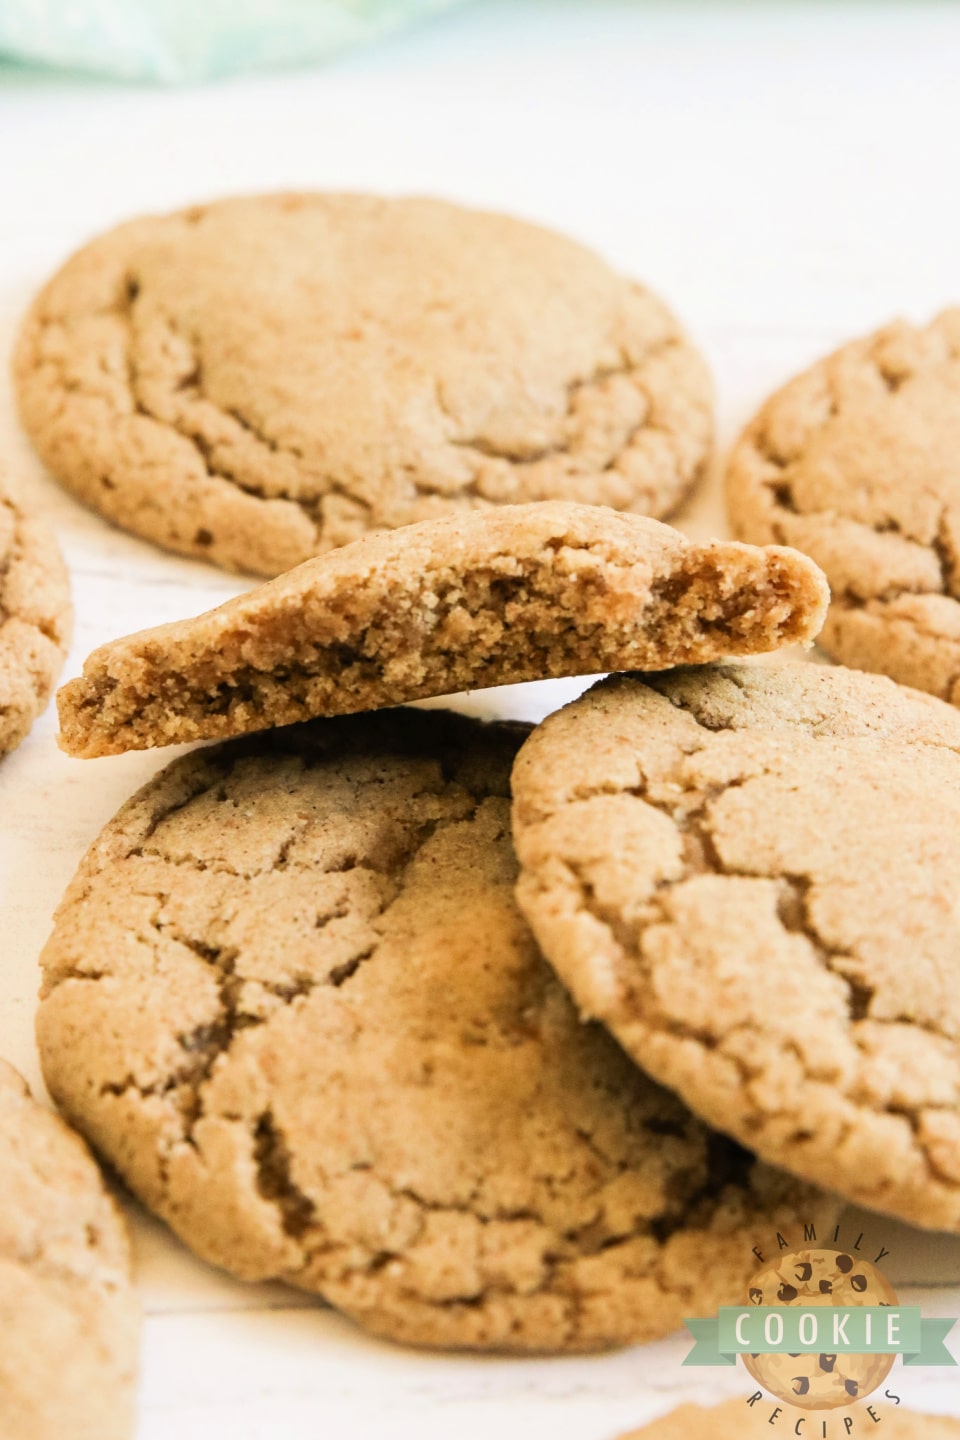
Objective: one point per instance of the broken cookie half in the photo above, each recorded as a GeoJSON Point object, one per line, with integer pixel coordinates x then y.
{"type": "Point", "coordinates": [527, 592]}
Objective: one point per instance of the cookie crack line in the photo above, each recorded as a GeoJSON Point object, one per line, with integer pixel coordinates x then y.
{"type": "Point", "coordinates": [202, 444]}
{"type": "Point", "coordinates": [310, 505]}
{"type": "Point", "coordinates": [847, 597]}
{"type": "Point", "coordinates": [519, 457]}
{"type": "Point", "coordinates": [729, 1165]}
{"type": "Point", "coordinates": [727, 1160]}
{"type": "Point", "coordinates": [275, 1180]}
{"type": "Point", "coordinates": [208, 1044]}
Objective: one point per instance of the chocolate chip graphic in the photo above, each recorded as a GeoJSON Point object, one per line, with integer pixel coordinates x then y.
{"type": "Point", "coordinates": [815, 1380]}
{"type": "Point", "coordinates": [756, 1297]}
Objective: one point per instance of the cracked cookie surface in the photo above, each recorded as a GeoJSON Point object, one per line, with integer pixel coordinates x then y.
{"type": "Point", "coordinates": [69, 1318]}
{"type": "Point", "coordinates": [751, 874]}
{"type": "Point", "coordinates": [524, 592]}
{"type": "Point", "coordinates": [857, 463]}
{"type": "Point", "coordinates": [290, 996]}
{"type": "Point", "coordinates": [35, 615]}
{"type": "Point", "coordinates": [737, 1420]}
{"type": "Point", "coordinates": [259, 380]}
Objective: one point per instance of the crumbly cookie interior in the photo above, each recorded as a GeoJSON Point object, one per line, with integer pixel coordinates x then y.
{"type": "Point", "coordinates": [443, 631]}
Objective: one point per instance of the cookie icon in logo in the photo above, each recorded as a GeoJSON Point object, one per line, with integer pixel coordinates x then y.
{"type": "Point", "coordinates": [812, 1278]}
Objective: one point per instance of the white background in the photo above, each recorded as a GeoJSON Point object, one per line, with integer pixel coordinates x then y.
{"type": "Point", "coordinates": [786, 175]}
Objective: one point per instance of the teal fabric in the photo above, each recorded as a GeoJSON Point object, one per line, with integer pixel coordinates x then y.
{"type": "Point", "coordinates": [172, 41]}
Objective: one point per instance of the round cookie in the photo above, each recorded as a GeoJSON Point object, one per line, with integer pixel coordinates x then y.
{"type": "Point", "coordinates": [69, 1318]}
{"type": "Point", "coordinates": [290, 996]}
{"type": "Point", "coordinates": [259, 380]}
{"type": "Point", "coordinates": [737, 1420]}
{"type": "Point", "coordinates": [812, 1278]}
{"type": "Point", "coordinates": [857, 462]}
{"type": "Point", "coordinates": [35, 615]}
{"type": "Point", "coordinates": [521, 593]}
{"type": "Point", "coordinates": [751, 874]}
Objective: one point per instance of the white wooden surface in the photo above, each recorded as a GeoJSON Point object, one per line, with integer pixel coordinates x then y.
{"type": "Point", "coordinates": [787, 176]}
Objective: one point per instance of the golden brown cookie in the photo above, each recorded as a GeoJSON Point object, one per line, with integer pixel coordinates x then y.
{"type": "Point", "coordinates": [857, 462]}
{"type": "Point", "coordinates": [35, 615]}
{"type": "Point", "coordinates": [521, 593]}
{"type": "Point", "coordinates": [751, 874]}
{"type": "Point", "coordinates": [69, 1318]}
{"type": "Point", "coordinates": [290, 996]}
{"type": "Point", "coordinates": [737, 1420]}
{"type": "Point", "coordinates": [259, 380]}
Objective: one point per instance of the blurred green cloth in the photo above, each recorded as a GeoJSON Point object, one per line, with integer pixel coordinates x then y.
{"type": "Point", "coordinates": [172, 41]}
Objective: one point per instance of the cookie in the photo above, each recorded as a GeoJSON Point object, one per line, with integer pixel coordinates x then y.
{"type": "Point", "coordinates": [69, 1318]}
{"type": "Point", "coordinates": [259, 380]}
{"type": "Point", "coordinates": [522, 593]}
{"type": "Point", "coordinates": [856, 463]}
{"type": "Point", "coordinates": [290, 996]}
{"type": "Point", "coordinates": [809, 1279]}
{"type": "Point", "coordinates": [736, 1419]}
{"type": "Point", "coordinates": [751, 874]}
{"type": "Point", "coordinates": [35, 615]}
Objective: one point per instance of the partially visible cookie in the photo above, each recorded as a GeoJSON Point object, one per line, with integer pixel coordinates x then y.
{"type": "Point", "coordinates": [520, 593]}
{"type": "Point", "coordinates": [857, 462]}
{"type": "Point", "coordinates": [35, 615]}
{"type": "Point", "coordinates": [738, 1420]}
{"type": "Point", "coordinates": [69, 1318]}
{"type": "Point", "coordinates": [751, 874]}
{"type": "Point", "coordinates": [259, 380]}
{"type": "Point", "coordinates": [290, 996]}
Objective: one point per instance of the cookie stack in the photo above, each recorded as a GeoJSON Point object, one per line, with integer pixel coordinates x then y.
{"type": "Point", "coordinates": [290, 993]}
{"type": "Point", "coordinates": [494, 1037]}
